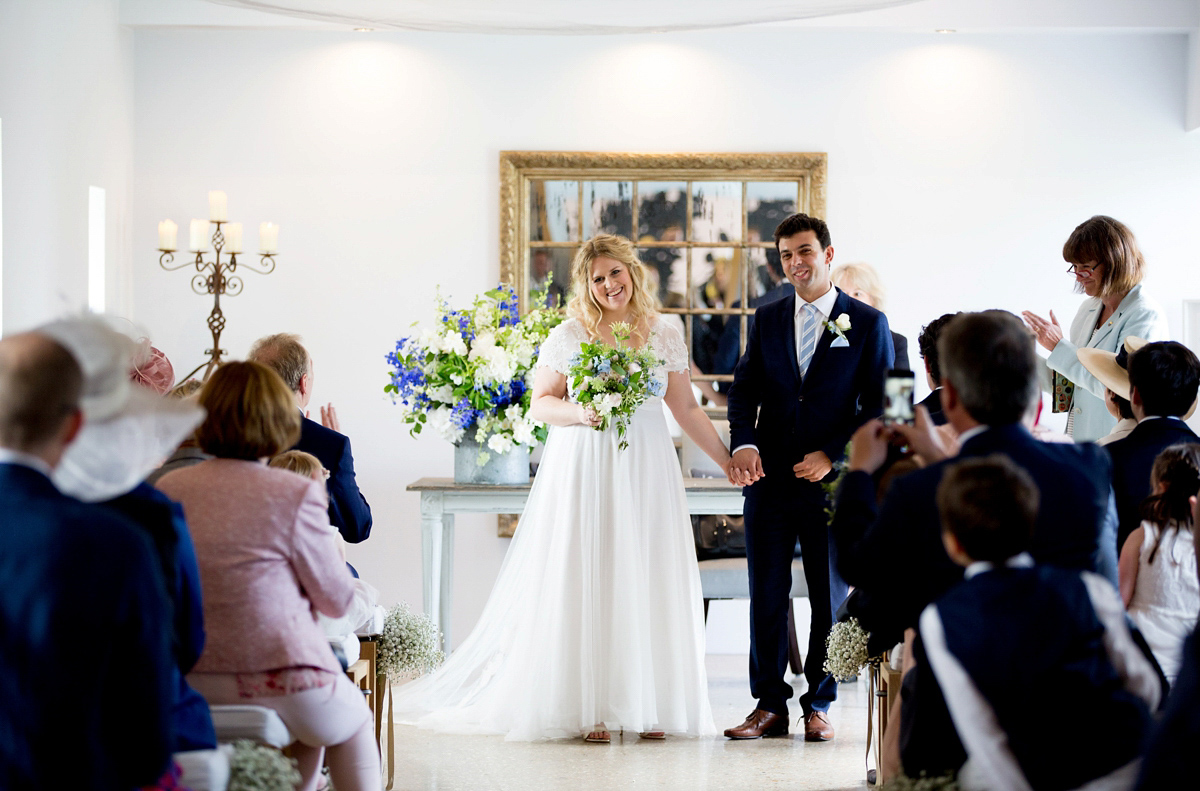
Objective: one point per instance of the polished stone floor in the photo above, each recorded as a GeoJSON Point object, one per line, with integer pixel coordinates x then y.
{"type": "Point", "coordinates": [431, 762]}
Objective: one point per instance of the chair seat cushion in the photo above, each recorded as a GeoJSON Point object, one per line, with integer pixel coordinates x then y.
{"type": "Point", "coordinates": [205, 770]}
{"type": "Point", "coordinates": [728, 578]}
{"type": "Point", "coordinates": [256, 723]}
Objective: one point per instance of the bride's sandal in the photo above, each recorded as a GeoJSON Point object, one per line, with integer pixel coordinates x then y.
{"type": "Point", "coordinates": [599, 736]}
{"type": "Point", "coordinates": [657, 736]}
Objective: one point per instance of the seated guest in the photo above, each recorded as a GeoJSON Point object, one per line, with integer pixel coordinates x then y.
{"type": "Point", "coordinates": [894, 552]}
{"type": "Point", "coordinates": [268, 559]}
{"type": "Point", "coordinates": [1111, 369]}
{"type": "Point", "coordinates": [85, 655]}
{"type": "Point", "coordinates": [927, 343]}
{"type": "Point", "coordinates": [1011, 638]}
{"type": "Point", "coordinates": [860, 281]}
{"type": "Point", "coordinates": [348, 509]}
{"type": "Point", "coordinates": [1163, 381]}
{"type": "Point", "coordinates": [1169, 761]}
{"type": "Point", "coordinates": [1158, 562]}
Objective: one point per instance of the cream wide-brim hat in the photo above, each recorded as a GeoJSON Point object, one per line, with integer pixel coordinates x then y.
{"type": "Point", "coordinates": [1103, 365]}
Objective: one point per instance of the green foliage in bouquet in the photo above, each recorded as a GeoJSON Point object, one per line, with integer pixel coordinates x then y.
{"type": "Point", "coordinates": [614, 380]}
{"type": "Point", "coordinates": [409, 643]}
{"type": "Point", "coordinates": [258, 768]}
{"type": "Point", "coordinates": [830, 487]}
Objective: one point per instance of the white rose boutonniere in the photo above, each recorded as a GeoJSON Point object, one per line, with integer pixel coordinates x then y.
{"type": "Point", "coordinates": [839, 327]}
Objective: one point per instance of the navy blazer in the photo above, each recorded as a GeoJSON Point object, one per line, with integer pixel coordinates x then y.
{"type": "Point", "coordinates": [900, 352]}
{"type": "Point", "coordinates": [348, 509]}
{"type": "Point", "coordinates": [769, 405]}
{"type": "Point", "coordinates": [933, 402]}
{"type": "Point", "coordinates": [85, 654]}
{"type": "Point", "coordinates": [1133, 459]}
{"type": "Point", "coordinates": [894, 555]}
{"type": "Point", "coordinates": [1025, 637]}
{"type": "Point", "coordinates": [162, 519]}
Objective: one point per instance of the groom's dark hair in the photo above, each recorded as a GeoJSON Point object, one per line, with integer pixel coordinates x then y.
{"type": "Point", "coordinates": [990, 360]}
{"type": "Point", "coordinates": [799, 223]}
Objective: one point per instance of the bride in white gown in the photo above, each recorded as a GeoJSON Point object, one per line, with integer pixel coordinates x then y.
{"type": "Point", "coordinates": [595, 623]}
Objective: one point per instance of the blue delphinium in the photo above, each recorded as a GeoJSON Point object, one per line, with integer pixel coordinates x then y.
{"type": "Point", "coordinates": [601, 365]}
{"type": "Point", "coordinates": [656, 386]}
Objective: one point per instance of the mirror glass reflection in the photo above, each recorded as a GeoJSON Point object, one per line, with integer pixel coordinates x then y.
{"type": "Point", "coordinates": [608, 208]}
{"type": "Point", "coordinates": [554, 211]}
{"type": "Point", "coordinates": [716, 211]}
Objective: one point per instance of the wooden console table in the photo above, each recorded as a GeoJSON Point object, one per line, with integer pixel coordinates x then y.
{"type": "Point", "coordinates": [442, 498]}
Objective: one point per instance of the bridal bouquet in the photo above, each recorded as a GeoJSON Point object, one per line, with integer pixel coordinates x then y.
{"type": "Point", "coordinates": [474, 372]}
{"type": "Point", "coordinates": [614, 380]}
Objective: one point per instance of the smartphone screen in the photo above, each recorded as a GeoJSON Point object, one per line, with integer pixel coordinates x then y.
{"type": "Point", "coordinates": [898, 397]}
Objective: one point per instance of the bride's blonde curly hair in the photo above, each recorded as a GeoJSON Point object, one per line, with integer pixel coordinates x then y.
{"type": "Point", "coordinates": [643, 302]}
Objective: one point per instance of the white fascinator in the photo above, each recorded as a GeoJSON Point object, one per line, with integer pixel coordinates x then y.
{"type": "Point", "coordinates": [128, 429]}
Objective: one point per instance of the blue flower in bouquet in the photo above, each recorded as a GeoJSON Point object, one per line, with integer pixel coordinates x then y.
{"type": "Point", "coordinates": [601, 365]}
{"type": "Point", "coordinates": [464, 414]}
{"type": "Point", "coordinates": [656, 386]}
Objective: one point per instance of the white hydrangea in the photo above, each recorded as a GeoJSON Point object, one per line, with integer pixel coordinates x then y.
{"type": "Point", "coordinates": [439, 419]}
{"type": "Point", "coordinates": [500, 443]}
{"type": "Point", "coordinates": [441, 393]}
{"type": "Point", "coordinates": [523, 432]}
{"type": "Point", "coordinates": [453, 342]}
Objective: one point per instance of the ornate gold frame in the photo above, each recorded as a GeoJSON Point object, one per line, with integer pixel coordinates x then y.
{"type": "Point", "coordinates": [518, 167]}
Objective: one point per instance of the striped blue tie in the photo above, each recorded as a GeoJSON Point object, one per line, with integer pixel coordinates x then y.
{"type": "Point", "coordinates": [809, 324]}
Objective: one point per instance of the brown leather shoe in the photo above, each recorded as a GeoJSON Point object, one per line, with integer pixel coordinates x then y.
{"type": "Point", "coordinates": [817, 727]}
{"type": "Point", "coordinates": [760, 723]}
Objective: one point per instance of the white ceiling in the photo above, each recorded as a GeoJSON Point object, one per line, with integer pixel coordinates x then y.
{"type": "Point", "coordinates": [641, 16]}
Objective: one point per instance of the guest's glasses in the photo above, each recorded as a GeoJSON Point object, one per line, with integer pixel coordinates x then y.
{"type": "Point", "coordinates": [1082, 269]}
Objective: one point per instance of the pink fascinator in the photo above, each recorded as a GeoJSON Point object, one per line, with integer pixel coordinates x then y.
{"type": "Point", "coordinates": [152, 369]}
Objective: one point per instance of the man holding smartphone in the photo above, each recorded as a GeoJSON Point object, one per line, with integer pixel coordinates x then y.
{"type": "Point", "coordinates": [813, 372]}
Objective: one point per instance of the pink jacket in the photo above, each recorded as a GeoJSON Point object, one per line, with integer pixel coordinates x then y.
{"type": "Point", "coordinates": [268, 558]}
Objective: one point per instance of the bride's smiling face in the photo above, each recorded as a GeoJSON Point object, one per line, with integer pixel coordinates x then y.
{"type": "Point", "coordinates": [612, 285]}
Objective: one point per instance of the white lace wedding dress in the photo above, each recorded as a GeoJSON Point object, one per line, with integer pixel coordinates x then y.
{"type": "Point", "coordinates": [596, 615]}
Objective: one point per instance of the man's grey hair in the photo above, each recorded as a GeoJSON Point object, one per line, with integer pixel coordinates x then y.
{"type": "Point", "coordinates": [284, 354]}
{"type": "Point", "coordinates": [990, 360]}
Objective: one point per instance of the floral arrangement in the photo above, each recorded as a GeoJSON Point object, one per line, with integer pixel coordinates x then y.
{"type": "Point", "coordinates": [254, 767]}
{"type": "Point", "coordinates": [846, 650]}
{"type": "Point", "coordinates": [946, 782]}
{"type": "Point", "coordinates": [614, 380]}
{"type": "Point", "coordinates": [409, 643]}
{"type": "Point", "coordinates": [473, 374]}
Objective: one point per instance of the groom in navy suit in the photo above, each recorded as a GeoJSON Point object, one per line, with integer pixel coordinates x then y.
{"type": "Point", "coordinates": [813, 372]}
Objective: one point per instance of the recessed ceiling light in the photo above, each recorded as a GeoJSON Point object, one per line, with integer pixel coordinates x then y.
{"type": "Point", "coordinates": [364, 30]}
{"type": "Point", "coordinates": [945, 30]}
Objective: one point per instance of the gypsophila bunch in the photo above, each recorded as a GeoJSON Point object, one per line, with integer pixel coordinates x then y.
{"type": "Point", "coordinates": [474, 372]}
{"type": "Point", "coordinates": [614, 380]}
{"type": "Point", "coordinates": [258, 768]}
{"type": "Point", "coordinates": [846, 650]}
{"type": "Point", "coordinates": [946, 782]}
{"type": "Point", "coordinates": [409, 643]}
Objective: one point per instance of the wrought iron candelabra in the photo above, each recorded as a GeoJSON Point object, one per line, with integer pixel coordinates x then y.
{"type": "Point", "coordinates": [218, 276]}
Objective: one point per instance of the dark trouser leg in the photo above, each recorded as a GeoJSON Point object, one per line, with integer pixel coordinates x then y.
{"type": "Point", "coordinates": [770, 544]}
{"type": "Point", "coordinates": [826, 592]}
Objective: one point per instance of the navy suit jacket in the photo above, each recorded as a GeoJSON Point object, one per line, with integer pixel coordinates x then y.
{"type": "Point", "coordinates": [162, 520]}
{"type": "Point", "coordinates": [348, 509]}
{"type": "Point", "coordinates": [1133, 459]}
{"type": "Point", "coordinates": [769, 405]}
{"type": "Point", "coordinates": [933, 402]}
{"type": "Point", "coordinates": [85, 652]}
{"type": "Point", "coordinates": [893, 553]}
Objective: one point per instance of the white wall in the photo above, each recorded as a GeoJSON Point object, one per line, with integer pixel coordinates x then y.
{"type": "Point", "coordinates": [66, 99]}
{"type": "Point", "coordinates": [958, 165]}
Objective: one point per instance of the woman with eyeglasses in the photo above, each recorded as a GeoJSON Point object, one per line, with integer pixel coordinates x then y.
{"type": "Point", "coordinates": [1108, 267]}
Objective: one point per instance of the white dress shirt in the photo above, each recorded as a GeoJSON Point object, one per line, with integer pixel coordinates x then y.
{"type": "Point", "coordinates": [824, 305]}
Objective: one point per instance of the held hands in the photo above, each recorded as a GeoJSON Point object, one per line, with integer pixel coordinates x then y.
{"type": "Point", "coordinates": [814, 466]}
{"type": "Point", "coordinates": [745, 467]}
{"type": "Point", "coordinates": [588, 416]}
{"type": "Point", "coordinates": [1048, 333]}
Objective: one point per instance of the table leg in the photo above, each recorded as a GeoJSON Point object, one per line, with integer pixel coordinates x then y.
{"type": "Point", "coordinates": [432, 562]}
{"type": "Point", "coordinates": [447, 578]}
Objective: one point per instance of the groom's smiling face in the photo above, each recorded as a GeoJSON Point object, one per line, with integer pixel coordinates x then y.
{"type": "Point", "coordinates": [806, 264]}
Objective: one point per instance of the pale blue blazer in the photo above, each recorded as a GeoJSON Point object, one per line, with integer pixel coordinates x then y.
{"type": "Point", "coordinates": [1137, 315]}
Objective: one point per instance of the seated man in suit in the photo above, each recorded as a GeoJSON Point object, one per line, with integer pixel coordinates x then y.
{"type": "Point", "coordinates": [348, 509]}
{"type": "Point", "coordinates": [927, 344]}
{"type": "Point", "coordinates": [1163, 380]}
{"type": "Point", "coordinates": [1011, 637]}
{"type": "Point", "coordinates": [85, 659]}
{"type": "Point", "coordinates": [893, 553]}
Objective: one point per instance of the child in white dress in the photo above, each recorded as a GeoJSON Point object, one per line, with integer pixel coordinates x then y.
{"type": "Point", "coordinates": [1157, 569]}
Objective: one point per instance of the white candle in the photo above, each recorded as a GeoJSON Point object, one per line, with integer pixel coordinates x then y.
{"type": "Point", "coordinates": [268, 238]}
{"type": "Point", "coordinates": [168, 236]}
{"type": "Point", "coordinates": [233, 237]}
{"type": "Point", "coordinates": [198, 237]}
{"type": "Point", "coordinates": [218, 206]}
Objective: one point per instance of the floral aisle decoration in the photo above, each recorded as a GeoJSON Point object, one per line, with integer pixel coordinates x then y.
{"type": "Point", "coordinates": [846, 650]}
{"type": "Point", "coordinates": [946, 782]}
{"type": "Point", "coordinates": [471, 376]}
{"type": "Point", "coordinates": [408, 645]}
{"type": "Point", "coordinates": [614, 380]}
{"type": "Point", "coordinates": [254, 767]}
